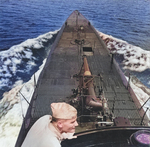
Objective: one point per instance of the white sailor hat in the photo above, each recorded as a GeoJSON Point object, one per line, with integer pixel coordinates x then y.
{"type": "Point", "coordinates": [63, 111]}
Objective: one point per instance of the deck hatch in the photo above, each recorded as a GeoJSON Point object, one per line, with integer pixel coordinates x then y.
{"type": "Point", "coordinates": [87, 51]}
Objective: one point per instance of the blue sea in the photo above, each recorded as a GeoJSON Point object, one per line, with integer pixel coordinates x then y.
{"type": "Point", "coordinates": [29, 27]}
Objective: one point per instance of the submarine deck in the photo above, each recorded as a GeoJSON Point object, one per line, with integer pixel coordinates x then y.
{"type": "Point", "coordinates": [77, 38]}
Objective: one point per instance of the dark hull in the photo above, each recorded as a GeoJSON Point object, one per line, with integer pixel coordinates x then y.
{"type": "Point", "coordinates": [76, 38]}
{"type": "Point", "coordinates": [107, 137]}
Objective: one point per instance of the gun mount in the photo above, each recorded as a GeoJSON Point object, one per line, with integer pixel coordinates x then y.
{"type": "Point", "coordinates": [91, 107]}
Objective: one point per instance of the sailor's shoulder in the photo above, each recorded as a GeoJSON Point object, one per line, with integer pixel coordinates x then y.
{"type": "Point", "coordinates": [45, 117]}
{"type": "Point", "coordinates": [43, 120]}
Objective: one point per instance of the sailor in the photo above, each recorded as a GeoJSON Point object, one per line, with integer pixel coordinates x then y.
{"type": "Point", "coordinates": [49, 131]}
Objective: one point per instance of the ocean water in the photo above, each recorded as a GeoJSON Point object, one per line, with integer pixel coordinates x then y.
{"type": "Point", "coordinates": [24, 20]}
{"type": "Point", "coordinates": [29, 27]}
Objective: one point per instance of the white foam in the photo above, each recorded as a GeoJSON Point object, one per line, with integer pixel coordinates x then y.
{"type": "Point", "coordinates": [10, 126]}
{"type": "Point", "coordinates": [11, 58]}
{"type": "Point", "coordinates": [7, 62]}
{"type": "Point", "coordinates": [135, 58]}
{"type": "Point", "coordinates": [142, 94]}
{"type": "Point", "coordinates": [13, 106]}
{"type": "Point", "coordinates": [3, 81]}
{"type": "Point", "coordinates": [37, 43]}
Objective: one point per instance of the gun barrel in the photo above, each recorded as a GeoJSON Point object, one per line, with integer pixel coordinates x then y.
{"type": "Point", "coordinates": [92, 100]}
{"type": "Point", "coordinates": [86, 68]}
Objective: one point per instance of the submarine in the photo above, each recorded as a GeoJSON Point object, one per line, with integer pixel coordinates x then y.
{"type": "Point", "coordinates": [81, 71]}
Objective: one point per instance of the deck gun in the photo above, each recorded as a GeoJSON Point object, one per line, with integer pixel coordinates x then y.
{"type": "Point", "coordinates": [93, 106]}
